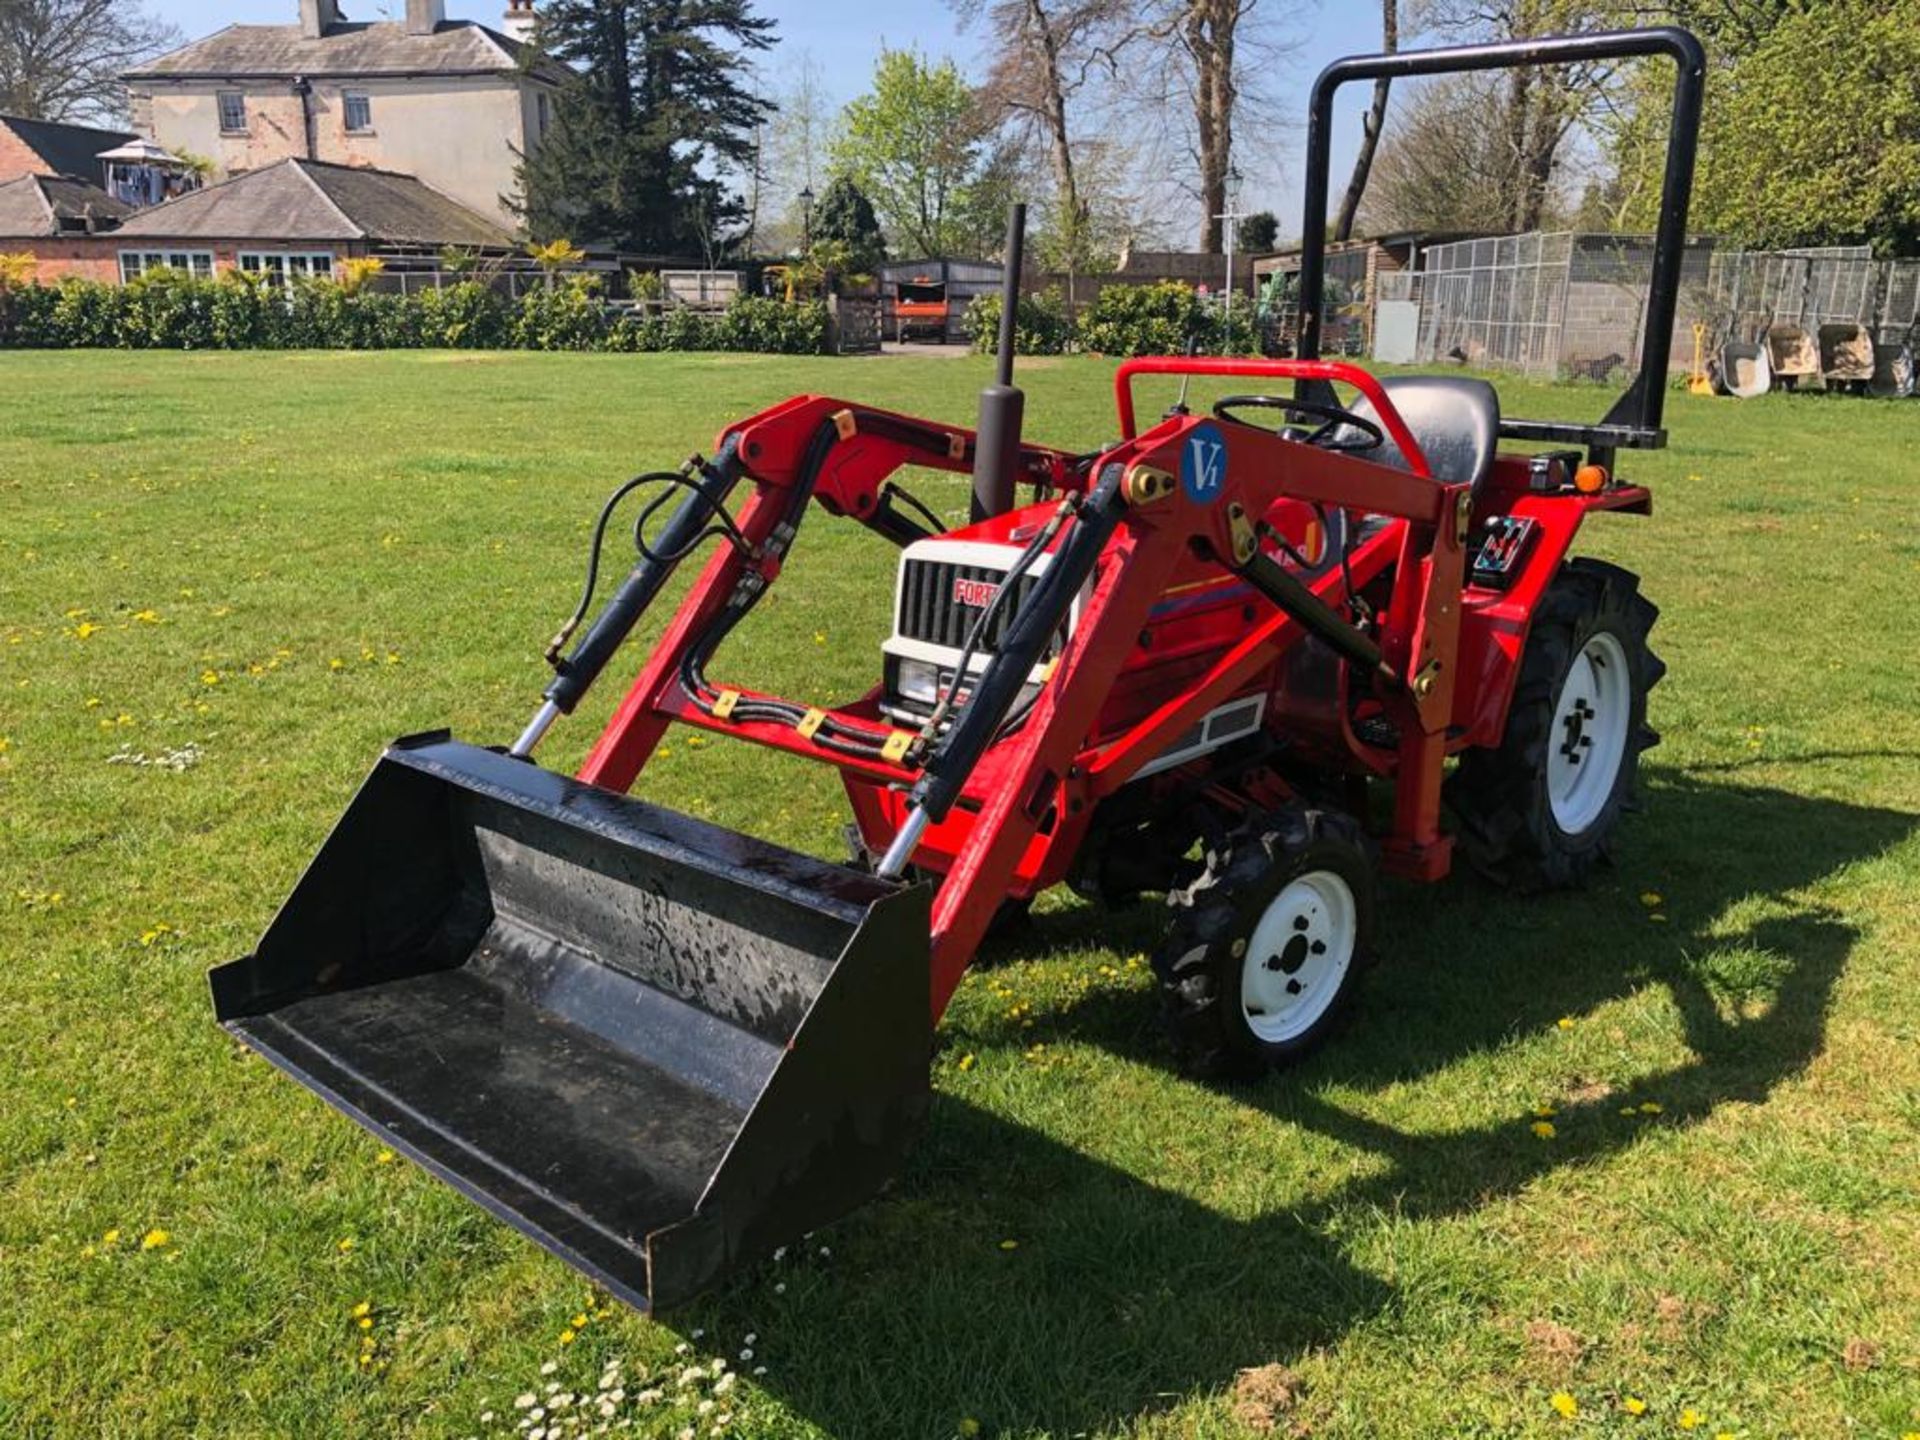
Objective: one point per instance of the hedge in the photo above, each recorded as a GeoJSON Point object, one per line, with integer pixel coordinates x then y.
{"type": "Point", "coordinates": [1157, 319]}
{"type": "Point", "coordinates": [165, 310]}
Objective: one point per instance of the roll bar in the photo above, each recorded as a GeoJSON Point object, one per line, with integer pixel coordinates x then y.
{"type": "Point", "coordinates": [1634, 420]}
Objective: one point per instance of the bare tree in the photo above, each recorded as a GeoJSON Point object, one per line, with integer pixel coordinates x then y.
{"type": "Point", "coordinates": [62, 59]}
{"type": "Point", "coordinates": [794, 149]}
{"type": "Point", "coordinates": [1044, 53]}
{"type": "Point", "coordinates": [1221, 57]}
{"type": "Point", "coordinates": [1444, 163]}
{"type": "Point", "coordinates": [1537, 109]}
{"type": "Point", "coordinates": [1370, 128]}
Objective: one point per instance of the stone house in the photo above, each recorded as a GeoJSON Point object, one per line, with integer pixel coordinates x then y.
{"type": "Point", "coordinates": [452, 102]}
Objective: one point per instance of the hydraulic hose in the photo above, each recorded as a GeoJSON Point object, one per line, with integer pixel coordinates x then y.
{"type": "Point", "coordinates": [708, 494]}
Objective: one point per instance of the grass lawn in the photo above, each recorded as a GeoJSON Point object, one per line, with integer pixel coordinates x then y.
{"type": "Point", "coordinates": [268, 565]}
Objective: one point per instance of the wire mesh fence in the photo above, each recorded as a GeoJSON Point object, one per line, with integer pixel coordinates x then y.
{"type": "Point", "coordinates": [1570, 304]}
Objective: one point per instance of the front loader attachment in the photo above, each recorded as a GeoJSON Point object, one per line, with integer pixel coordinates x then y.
{"type": "Point", "coordinates": [659, 1048]}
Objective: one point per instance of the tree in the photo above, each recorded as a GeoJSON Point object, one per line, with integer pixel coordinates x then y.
{"type": "Point", "coordinates": [844, 216]}
{"type": "Point", "coordinates": [1532, 110]}
{"type": "Point", "coordinates": [913, 144]}
{"type": "Point", "coordinates": [1044, 54]}
{"type": "Point", "coordinates": [1258, 233]}
{"type": "Point", "coordinates": [1443, 163]}
{"type": "Point", "coordinates": [794, 152]}
{"type": "Point", "coordinates": [1376, 117]}
{"type": "Point", "coordinates": [62, 59]}
{"type": "Point", "coordinates": [1813, 138]}
{"type": "Point", "coordinates": [659, 110]}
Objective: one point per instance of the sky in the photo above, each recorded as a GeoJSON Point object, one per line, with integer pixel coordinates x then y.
{"type": "Point", "coordinates": [842, 37]}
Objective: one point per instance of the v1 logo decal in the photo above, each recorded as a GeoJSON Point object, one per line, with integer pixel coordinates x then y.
{"type": "Point", "coordinates": [1203, 463]}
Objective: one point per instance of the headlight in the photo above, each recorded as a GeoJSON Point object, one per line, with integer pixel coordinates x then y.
{"type": "Point", "coordinates": [917, 680]}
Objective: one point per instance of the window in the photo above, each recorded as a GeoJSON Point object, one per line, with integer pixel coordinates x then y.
{"type": "Point", "coordinates": [359, 112]}
{"type": "Point", "coordinates": [233, 112]}
{"type": "Point", "coordinates": [284, 268]}
{"type": "Point", "coordinates": [197, 263]}
{"type": "Point", "coordinates": [542, 113]}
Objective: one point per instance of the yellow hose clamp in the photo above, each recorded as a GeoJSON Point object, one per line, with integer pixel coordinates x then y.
{"type": "Point", "coordinates": [723, 707]}
{"type": "Point", "coordinates": [1046, 670]}
{"type": "Point", "coordinates": [844, 425]}
{"type": "Point", "coordinates": [809, 723]}
{"type": "Point", "coordinates": [895, 750]}
{"type": "Point", "coordinates": [1146, 485]}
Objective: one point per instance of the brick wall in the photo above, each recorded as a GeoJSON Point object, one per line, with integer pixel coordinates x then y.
{"type": "Point", "coordinates": [82, 257]}
{"type": "Point", "coordinates": [15, 158]}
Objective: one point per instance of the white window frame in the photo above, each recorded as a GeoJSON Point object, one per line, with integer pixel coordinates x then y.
{"type": "Point", "coordinates": [239, 97]}
{"type": "Point", "coordinates": [196, 263]}
{"type": "Point", "coordinates": [350, 98]}
{"type": "Point", "coordinates": [283, 267]}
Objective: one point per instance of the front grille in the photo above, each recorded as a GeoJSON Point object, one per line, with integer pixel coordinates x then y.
{"type": "Point", "coordinates": [929, 611]}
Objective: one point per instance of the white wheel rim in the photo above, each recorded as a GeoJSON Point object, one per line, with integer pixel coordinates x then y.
{"type": "Point", "coordinates": [1588, 740]}
{"type": "Point", "coordinates": [1298, 956]}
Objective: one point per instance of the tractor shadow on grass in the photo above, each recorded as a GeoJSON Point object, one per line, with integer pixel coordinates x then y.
{"type": "Point", "coordinates": [1124, 1297]}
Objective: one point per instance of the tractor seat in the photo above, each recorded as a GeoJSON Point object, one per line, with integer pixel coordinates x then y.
{"type": "Point", "coordinates": [1454, 420]}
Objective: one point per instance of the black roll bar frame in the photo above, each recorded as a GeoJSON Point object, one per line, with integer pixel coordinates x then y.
{"type": "Point", "coordinates": [1633, 422]}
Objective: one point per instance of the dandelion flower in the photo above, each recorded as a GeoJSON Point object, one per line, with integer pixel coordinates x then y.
{"type": "Point", "coordinates": [1634, 1405]}
{"type": "Point", "coordinates": [1565, 1022]}
{"type": "Point", "coordinates": [567, 1337]}
{"type": "Point", "coordinates": [84, 629]}
{"type": "Point", "coordinates": [363, 1308]}
{"type": "Point", "coordinates": [112, 1237]}
{"type": "Point", "coordinates": [1545, 1112]}
{"type": "Point", "coordinates": [209, 677]}
{"type": "Point", "coordinates": [336, 664]}
{"type": "Point", "coordinates": [1544, 1129]}
{"type": "Point", "coordinates": [969, 1426]}
{"type": "Point", "coordinates": [385, 1157]}
{"type": "Point", "coordinates": [1564, 1404]}
{"type": "Point", "coordinates": [93, 702]}
{"type": "Point", "coordinates": [1649, 1107]}
{"type": "Point", "coordinates": [1009, 1244]}
{"type": "Point", "coordinates": [1629, 1110]}
{"type": "Point", "coordinates": [1691, 1419]}
{"type": "Point", "coordinates": [365, 1322]}
{"type": "Point", "coordinates": [154, 1239]}
{"type": "Point", "coordinates": [346, 1244]}
{"type": "Point", "coordinates": [579, 1322]}
{"type": "Point", "coordinates": [1650, 898]}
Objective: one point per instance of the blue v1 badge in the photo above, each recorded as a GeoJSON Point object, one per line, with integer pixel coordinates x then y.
{"type": "Point", "coordinates": [1203, 463]}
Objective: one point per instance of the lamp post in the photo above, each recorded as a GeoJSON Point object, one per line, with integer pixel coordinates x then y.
{"type": "Point", "coordinates": [806, 220]}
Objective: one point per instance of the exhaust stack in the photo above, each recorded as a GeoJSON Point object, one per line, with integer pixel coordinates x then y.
{"type": "Point", "coordinates": [996, 454]}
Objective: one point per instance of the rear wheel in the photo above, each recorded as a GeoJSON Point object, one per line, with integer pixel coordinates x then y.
{"type": "Point", "coordinates": [1542, 810]}
{"type": "Point", "coordinates": [1258, 966]}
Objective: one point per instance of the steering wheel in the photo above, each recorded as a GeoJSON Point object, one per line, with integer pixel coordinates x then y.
{"type": "Point", "coordinates": [1326, 435]}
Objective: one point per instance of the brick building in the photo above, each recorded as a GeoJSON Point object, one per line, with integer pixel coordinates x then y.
{"type": "Point", "coordinates": [48, 147]}
{"type": "Point", "coordinates": [60, 221]}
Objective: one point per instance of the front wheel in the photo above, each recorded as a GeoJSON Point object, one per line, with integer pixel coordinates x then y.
{"type": "Point", "coordinates": [1542, 810]}
{"type": "Point", "coordinates": [1259, 964]}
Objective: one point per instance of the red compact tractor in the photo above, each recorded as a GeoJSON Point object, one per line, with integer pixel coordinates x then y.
{"type": "Point", "coordinates": [1182, 663]}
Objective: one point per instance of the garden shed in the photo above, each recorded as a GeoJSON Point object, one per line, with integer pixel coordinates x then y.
{"type": "Point", "coordinates": [929, 298]}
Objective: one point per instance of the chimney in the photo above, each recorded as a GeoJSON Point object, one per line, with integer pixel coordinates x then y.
{"type": "Point", "coordinates": [424, 15]}
{"type": "Point", "coordinates": [519, 20]}
{"type": "Point", "coordinates": [318, 16]}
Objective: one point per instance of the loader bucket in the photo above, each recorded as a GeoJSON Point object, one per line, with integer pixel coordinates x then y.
{"type": "Point", "coordinates": [659, 1048]}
